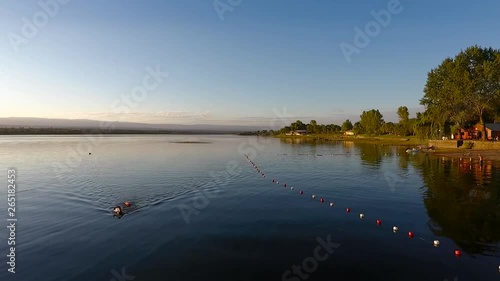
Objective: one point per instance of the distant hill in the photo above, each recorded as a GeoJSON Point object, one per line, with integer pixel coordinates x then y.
{"type": "Point", "coordinates": [18, 122]}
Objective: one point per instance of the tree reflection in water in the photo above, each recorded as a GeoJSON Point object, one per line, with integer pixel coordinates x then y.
{"type": "Point", "coordinates": [462, 198]}
{"type": "Point", "coordinates": [463, 202]}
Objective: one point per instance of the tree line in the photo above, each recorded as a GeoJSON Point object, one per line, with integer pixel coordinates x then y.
{"type": "Point", "coordinates": [371, 123]}
{"type": "Point", "coordinates": [459, 93]}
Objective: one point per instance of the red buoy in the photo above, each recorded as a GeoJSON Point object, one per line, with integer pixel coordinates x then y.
{"type": "Point", "coordinates": [127, 203]}
{"type": "Point", "coordinates": [348, 210]}
{"type": "Point", "coordinates": [379, 222]}
{"type": "Point", "coordinates": [411, 235]}
{"type": "Point", "coordinates": [322, 200]}
{"type": "Point", "coordinates": [301, 192]}
{"type": "Point", "coordinates": [458, 253]}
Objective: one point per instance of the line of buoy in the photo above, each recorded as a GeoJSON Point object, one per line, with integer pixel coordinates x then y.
{"type": "Point", "coordinates": [395, 229]}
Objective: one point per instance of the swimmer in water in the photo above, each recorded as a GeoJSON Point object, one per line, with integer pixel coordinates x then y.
{"type": "Point", "coordinates": [117, 212]}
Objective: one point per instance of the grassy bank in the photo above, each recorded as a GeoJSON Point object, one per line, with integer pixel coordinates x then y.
{"type": "Point", "coordinates": [383, 140]}
{"type": "Point", "coordinates": [489, 150]}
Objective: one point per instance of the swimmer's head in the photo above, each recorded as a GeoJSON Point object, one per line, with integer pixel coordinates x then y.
{"type": "Point", "coordinates": [117, 210]}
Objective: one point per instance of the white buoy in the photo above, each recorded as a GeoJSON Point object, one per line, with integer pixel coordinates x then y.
{"type": "Point", "coordinates": [331, 204]}
{"type": "Point", "coordinates": [291, 187]}
{"type": "Point", "coordinates": [314, 196]}
{"type": "Point", "coordinates": [361, 216]}
{"type": "Point", "coordinates": [395, 229]}
{"type": "Point", "coordinates": [436, 243]}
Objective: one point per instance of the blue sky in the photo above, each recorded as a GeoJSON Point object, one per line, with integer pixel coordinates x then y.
{"type": "Point", "coordinates": [263, 55]}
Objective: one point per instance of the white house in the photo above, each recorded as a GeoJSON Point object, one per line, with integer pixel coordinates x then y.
{"type": "Point", "coordinates": [297, 133]}
{"type": "Point", "coordinates": [349, 133]}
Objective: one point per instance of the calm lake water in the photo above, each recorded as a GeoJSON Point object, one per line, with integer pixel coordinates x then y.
{"type": "Point", "coordinates": [202, 212]}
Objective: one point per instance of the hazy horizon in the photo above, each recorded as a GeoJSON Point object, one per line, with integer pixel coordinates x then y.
{"type": "Point", "coordinates": [253, 122]}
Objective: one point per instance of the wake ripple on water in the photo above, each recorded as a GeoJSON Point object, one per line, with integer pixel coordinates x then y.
{"type": "Point", "coordinates": [93, 186]}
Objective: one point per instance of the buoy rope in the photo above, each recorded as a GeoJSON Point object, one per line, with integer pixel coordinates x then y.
{"type": "Point", "coordinates": [395, 229]}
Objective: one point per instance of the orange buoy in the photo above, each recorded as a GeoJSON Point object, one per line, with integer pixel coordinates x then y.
{"type": "Point", "coordinates": [458, 253]}
{"type": "Point", "coordinates": [127, 203]}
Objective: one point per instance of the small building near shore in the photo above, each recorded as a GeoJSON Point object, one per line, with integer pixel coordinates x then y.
{"type": "Point", "coordinates": [297, 133]}
{"type": "Point", "coordinates": [493, 131]}
{"type": "Point", "coordinates": [476, 132]}
{"type": "Point", "coordinates": [349, 133]}
{"type": "Point", "coordinates": [467, 134]}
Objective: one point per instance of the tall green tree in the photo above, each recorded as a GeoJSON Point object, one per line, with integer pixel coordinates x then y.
{"type": "Point", "coordinates": [464, 88]}
{"type": "Point", "coordinates": [372, 121]}
{"type": "Point", "coordinates": [298, 125]}
{"type": "Point", "coordinates": [312, 127]}
{"type": "Point", "coordinates": [358, 128]}
{"type": "Point", "coordinates": [404, 118]}
{"type": "Point", "coordinates": [403, 114]}
{"type": "Point", "coordinates": [389, 128]}
{"type": "Point", "coordinates": [444, 99]}
{"type": "Point", "coordinates": [479, 69]}
{"type": "Point", "coordinates": [347, 125]}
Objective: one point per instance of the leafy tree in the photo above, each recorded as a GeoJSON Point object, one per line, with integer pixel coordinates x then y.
{"type": "Point", "coordinates": [464, 88]}
{"type": "Point", "coordinates": [298, 125]}
{"type": "Point", "coordinates": [404, 119]}
{"type": "Point", "coordinates": [444, 99]}
{"type": "Point", "coordinates": [312, 127]}
{"type": "Point", "coordinates": [479, 69]}
{"type": "Point", "coordinates": [372, 121]}
{"type": "Point", "coordinates": [358, 128]}
{"type": "Point", "coordinates": [347, 125]}
{"type": "Point", "coordinates": [389, 128]}
{"type": "Point", "coordinates": [403, 114]}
